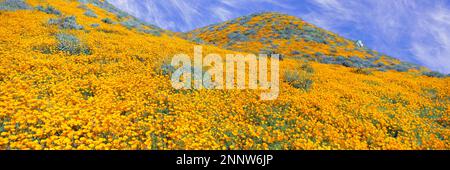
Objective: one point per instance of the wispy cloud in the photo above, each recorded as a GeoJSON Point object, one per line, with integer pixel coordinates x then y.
{"type": "Point", "coordinates": [431, 39]}
{"type": "Point", "coordinates": [182, 15]}
{"type": "Point", "coordinates": [222, 13]}
{"type": "Point", "coordinates": [412, 30]}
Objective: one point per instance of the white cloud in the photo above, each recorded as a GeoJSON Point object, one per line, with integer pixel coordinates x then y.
{"type": "Point", "coordinates": [401, 27]}
{"type": "Point", "coordinates": [222, 13]}
{"type": "Point", "coordinates": [168, 14]}
{"type": "Point", "coordinates": [433, 24]}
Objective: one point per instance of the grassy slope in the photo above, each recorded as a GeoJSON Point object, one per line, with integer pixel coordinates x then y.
{"type": "Point", "coordinates": [115, 97]}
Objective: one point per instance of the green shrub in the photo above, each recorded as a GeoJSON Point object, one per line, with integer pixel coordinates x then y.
{"type": "Point", "coordinates": [434, 74]}
{"type": "Point", "coordinates": [307, 56]}
{"type": "Point", "coordinates": [107, 20]}
{"type": "Point", "coordinates": [304, 84]}
{"type": "Point", "coordinates": [69, 22]}
{"type": "Point", "coordinates": [90, 13]}
{"type": "Point", "coordinates": [49, 10]}
{"type": "Point", "coordinates": [86, 93]}
{"type": "Point", "coordinates": [382, 69]}
{"type": "Point", "coordinates": [198, 40]}
{"type": "Point", "coordinates": [364, 71]}
{"type": "Point", "coordinates": [400, 68]}
{"type": "Point", "coordinates": [82, 6]}
{"type": "Point", "coordinates": [291, 76]}
{"type": "Point", "coordinates": [95, 25]}
{"type": "Point", "coordinates": [308, 68]}
{"type": "Point", "coordinates": [295, 52]}
{"type": "Point", "coordinates": [347, 63]}
{"type": "Point", "coordinates": [318, 54]}
{"type": "Point", "coordinates": [167, 69]}
{"type": "Point", "coordinates": [298, 79]}
{"type": "Point", "coordinates": [270, 52]}
{"type": "Point", "coordinates": [237, 36]}
{"type": "Point", "coordinates": [122, 15]}
{"type": "Point", "coordinates": [13, 5]}
{"type": "Point", "coordinates": [71, 45]}
{"type": "Point", "coordinates": [107, 6]}
{"type": "Point", "coordinates": [151, 32]}
{"type": "Point", "coordinates": [130, 24]}
{"type": "Point", "coordinates": [356, 62]}
{"type": "Point", "coordinates": [43, 48]}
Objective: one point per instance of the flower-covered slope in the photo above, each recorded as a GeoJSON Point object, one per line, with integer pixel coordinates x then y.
{"type": "Point", "coordinates": [81, 75]}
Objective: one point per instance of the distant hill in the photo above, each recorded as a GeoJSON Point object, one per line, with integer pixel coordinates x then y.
{"type": "Point", "coordinates": [292, 37]}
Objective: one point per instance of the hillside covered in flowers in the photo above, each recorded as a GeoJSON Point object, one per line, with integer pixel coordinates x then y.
{"type": "Point", "coordinates": [81, 74]}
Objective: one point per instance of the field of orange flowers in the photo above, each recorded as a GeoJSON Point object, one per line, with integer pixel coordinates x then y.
{"type": "Point", "coordinates": [111, 93]}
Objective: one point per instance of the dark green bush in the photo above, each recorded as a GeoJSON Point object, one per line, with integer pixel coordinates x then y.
{"type": "Point", "coordinates": [237, 36]}
{"type": "Point", "coordinates": [106, 6]}
{"type": "Point", "coordinates": [43, 48]}
{"type": "Point", "coordinates": [308, 68]}
{"type": "Point", "coordinates": [198, 40]}
{"type": "Point", "coordinates": [244, 20]}
{"type": "Point", "coordinates": [434, 74]}
{"type": "Point", "coordinates": [347, 63]}
{"type": "Point", "coordinates": [327, 60]}
{"type": "Point", "coordinates": [13, 5]}
{"type": "Point", "coordinates": [364, 71]}
{"type": "Point", "coordinates": [95, 25]}
{"type": "Point", "coordinates": [90, 13]}
{"type": "Point", "coordinates": [167, 69]}
{"type": "Point", "coordinates": [151, 32]}
{"type": "Point", "coordinates": [354, 62]}
{"type": "Point", "coordinates": [318, 54]}
{"type": "Point", "coordinates": [66, 23]}
{"type": "Point", "coordinates": [301, 78]}
{"type": "Point", "coordinates": [340, 60]}
{"type": "Point", "coordinates": [71, 45]}
{"type": "Point", "coordinates": [291, 76]}
{"type": "Point", "coordinates": [307, 55]}
{"type": "Point", "coordinates": [130, 24]}
{"type": "Point", "coordinates": [400, 68]}
{"type": "Point", "coordinates": [86, 93]}
{"type": "Point", "coordinates": [250, 32]}
{"type": "Point", "coordinates": [121, 15]}
{"type": "Point", "coordinates": [295, 52]}
{"type": "Point", "coordinates": [382, 69]}
{"type": "Point", "coordinates": [49, 10]}
{"type": "Point", "coordinates": [380, 64]}
{"type": "Point", "coordinates": [270, 52]}
{"type": "Point", "coordinates": [107, 20]}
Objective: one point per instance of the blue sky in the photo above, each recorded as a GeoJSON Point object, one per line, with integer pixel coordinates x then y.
{"type": "Point", "coordinates": [416, 31]}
